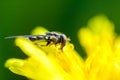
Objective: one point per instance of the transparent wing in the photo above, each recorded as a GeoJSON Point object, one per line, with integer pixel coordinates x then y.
{"type": "Point", "coordinates": [25, 36]}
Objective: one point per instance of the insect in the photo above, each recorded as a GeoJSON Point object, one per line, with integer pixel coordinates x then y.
{"type": "Point", "coordinates": [49, 37]}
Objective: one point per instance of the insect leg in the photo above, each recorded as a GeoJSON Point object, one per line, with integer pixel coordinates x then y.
{"type": "Point", "coordinates": [48, 43]}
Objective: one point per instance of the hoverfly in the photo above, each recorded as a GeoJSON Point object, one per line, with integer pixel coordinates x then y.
{"type": "Point", "coordinates": [49, 37]}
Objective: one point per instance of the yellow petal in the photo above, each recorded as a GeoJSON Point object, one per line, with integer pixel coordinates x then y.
{"type": "Point", "coordinates": [39, 31]}
{"type": "Point", "coordinates": [47, 62]}
{"type": "Point", "coordinates": [98, 30]}
{"type": "Point", "coordinates": [102, 47]}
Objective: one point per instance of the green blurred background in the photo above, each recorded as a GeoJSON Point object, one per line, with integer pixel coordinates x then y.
{"type": "Point", "coordinates": [19, 17]}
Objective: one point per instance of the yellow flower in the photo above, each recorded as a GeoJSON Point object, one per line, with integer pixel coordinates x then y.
{"type": "Point", "coordinates": [47, 62]}
{"type": "Point", "coordinates": [103, 49]}
{"type": "Point", "coordinates": [51, 63]}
